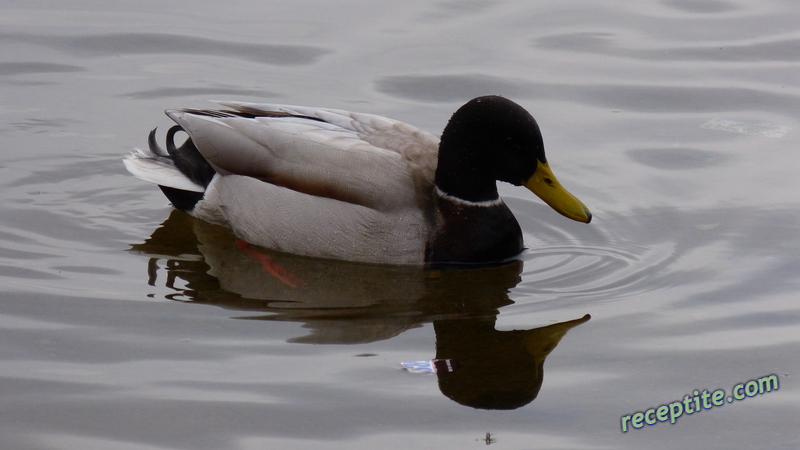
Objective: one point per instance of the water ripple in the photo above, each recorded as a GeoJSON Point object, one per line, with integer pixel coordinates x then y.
{"type": "Point", "coordinates": [27, 68]}
{"type": "Point", "coordinates": [780, 49]}
{"type": "Point", "coordinates": [655, 98]}
{"type": "Point", "coordinates": [113, 44]}
{"type": "Point", "coordinates": [594, 270]}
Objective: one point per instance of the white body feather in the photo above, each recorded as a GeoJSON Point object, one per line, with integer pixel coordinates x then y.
{"type": "Point", "coordinates": [145, 165]}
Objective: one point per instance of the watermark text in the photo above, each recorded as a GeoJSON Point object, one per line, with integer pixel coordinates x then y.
{"type": "Point", "coordinates": [698, 402]}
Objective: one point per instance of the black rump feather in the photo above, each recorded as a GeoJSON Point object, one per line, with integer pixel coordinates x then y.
{"type": "Point", "coordinates": [189, 161]}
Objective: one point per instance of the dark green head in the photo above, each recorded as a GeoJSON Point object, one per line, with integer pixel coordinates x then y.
{"type": "Point", "coordinates": [492, 139]}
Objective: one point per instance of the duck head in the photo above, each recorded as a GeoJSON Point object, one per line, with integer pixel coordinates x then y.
{"type": "Point", "coordinates": [492, 139]}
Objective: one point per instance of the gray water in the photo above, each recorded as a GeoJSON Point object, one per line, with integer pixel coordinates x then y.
{"type": "Point", "coordinates": [125, 325]}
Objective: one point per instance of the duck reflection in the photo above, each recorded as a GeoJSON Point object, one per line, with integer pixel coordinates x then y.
{"type": "Point", "coordinates": [350, 303]}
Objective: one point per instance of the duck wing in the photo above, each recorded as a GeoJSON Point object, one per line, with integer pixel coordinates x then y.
{"type": "Point", "coordinates": [362, 159]}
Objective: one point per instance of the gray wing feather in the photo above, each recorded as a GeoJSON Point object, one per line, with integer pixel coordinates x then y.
{"type": "Point", "coordinates": [357, 158]}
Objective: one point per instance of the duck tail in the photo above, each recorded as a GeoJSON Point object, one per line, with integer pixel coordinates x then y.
{"type": "Point", "coordinates": [181, 172]}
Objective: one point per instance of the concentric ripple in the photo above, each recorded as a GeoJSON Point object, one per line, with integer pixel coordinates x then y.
{"type": "Point", "coordinates": [594, 270]}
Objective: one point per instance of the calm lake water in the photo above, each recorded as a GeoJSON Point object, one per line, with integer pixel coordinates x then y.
{"type": "Point", "coordinates": [125, 325]}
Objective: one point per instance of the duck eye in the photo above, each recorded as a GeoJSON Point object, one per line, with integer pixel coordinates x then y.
{"type": "Point", "coordinates": [548, 181]}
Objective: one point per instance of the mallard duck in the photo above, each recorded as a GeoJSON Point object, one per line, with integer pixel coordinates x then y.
{"type": "Point", "coordinates": [335, 184]}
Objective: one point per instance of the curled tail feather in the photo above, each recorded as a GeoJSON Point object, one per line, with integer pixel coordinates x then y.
{"type": "Point", "coordinates": [181, 172]}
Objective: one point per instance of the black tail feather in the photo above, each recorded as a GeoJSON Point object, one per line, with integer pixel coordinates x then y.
{"type": "Point", "coordinates": [189, 161]}
{"type": "Point", "coordinates": [153, 144]}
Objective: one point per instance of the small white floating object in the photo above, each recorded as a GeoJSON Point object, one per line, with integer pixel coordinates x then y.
{"type": "Point", "coordinates": [430, 366]}
{"type": "Point", "coordinates": [748, 128]}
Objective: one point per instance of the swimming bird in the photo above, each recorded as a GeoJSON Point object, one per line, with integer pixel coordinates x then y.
{"type": "Point", "coordinates": [329, 183]}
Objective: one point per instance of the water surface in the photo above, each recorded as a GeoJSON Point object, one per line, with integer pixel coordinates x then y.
{"type": "Point", "coordinates": [126, 325]}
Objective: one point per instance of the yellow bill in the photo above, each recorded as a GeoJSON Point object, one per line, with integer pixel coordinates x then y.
{"type": "Point", "coordinates": [545, 185]}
